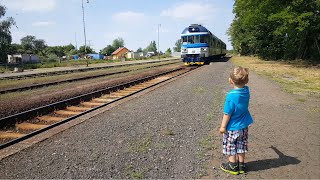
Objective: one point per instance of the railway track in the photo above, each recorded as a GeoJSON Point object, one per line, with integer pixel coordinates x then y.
{"type": "Point", "coordinates": [18, 127]}
{"type": "Point", "coordinates": [81, 78]}
{"type": "Point", "coordinates": [54, 73]}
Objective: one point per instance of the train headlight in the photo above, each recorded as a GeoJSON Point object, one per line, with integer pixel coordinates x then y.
{"type": "Point", "coordinates": [183, 50]}
{"type": "Point", "coordinates": [204, 49]}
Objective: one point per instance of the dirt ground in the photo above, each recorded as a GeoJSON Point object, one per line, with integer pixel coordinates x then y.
{"type": "Point", "coordinates": [284, 140]}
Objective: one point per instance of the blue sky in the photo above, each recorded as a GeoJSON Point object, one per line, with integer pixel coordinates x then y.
{"type": "Point", "coordinates": [59, 22]}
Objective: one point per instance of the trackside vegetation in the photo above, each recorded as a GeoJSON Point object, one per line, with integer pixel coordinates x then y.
{"type": "Point", "coordinates": [297, 77]}
{"type": "Point", "coordinates": [273, 29]}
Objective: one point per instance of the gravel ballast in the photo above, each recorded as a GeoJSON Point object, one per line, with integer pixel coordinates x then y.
{"type": "Point", "coordinates": [172, 133]}
{"type": "Point", "coordinates": [158, 135]}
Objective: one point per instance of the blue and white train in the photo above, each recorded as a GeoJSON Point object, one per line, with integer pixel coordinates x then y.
{"type": "Point", "coordinates": [199, 46]}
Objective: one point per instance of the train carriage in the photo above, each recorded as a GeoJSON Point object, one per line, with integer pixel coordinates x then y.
{"type": "Point", "coordinates": [199, 46]}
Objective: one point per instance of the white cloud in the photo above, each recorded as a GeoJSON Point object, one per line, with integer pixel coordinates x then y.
{"type": "Point", "coordinates": [129, 17]}
{"type": "Point", "coordinates": [43, 23]}
{"type": "Point", "coordinates": [31, 5]}
{"type": "Point", "coordinates": [196, 11]}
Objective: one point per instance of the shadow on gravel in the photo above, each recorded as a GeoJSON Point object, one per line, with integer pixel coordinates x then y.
{"type": "Point", "coordinates": [283, 160]}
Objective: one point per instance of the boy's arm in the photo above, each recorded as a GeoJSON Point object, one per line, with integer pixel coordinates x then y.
{"type": "Point", "coordinates": [224, 123]}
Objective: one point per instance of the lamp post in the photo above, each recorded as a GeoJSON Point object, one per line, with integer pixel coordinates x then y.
{"type": "Point", "coordinates": [159, 25]}
{"type": "Point", "coordinates": [84, 32]}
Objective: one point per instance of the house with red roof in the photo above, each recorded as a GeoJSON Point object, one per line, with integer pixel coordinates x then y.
{"type": "Point", "coordinates": [119, 53]}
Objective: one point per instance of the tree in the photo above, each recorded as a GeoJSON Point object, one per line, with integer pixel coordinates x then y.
{"type": "Point", "coordinates": [168, 51]}
{"type": "Point", "coordinates": [57, 50]}
{"type": "Point", "coordinates": [68, 48]}
{"type": "Point", "coordinates": [33, 45]}
{"type": "Point", "coordinates": [177, 47]}
{"type": "Point", "coordinates": [5, 33]}
{"type": "Point", "coordinates": [152, 47]}
{"type": "Point", "coordinates": [116, 43]}
{"type": "Point", "coordinates": [107, 50]}
{"type": "Point", "coordinates": [139, 50]}
{"type": "Point", "coordinates": [15, 49]}
{"type": "Point", "coordinates": [88, 48]}
{"type": "Point", "coordinates": [277, 29]}
{"type": "Point", "coordinates": [119, 42]}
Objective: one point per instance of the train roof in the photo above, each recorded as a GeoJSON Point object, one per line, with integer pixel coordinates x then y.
{"type": "Point", "coordinates": [195, 28]}
{"type": "Point", "coordinates": [198, 28]}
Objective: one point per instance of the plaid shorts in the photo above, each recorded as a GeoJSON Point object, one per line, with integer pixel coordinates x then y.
{"type": "Point", "coordinates": [235, 142]}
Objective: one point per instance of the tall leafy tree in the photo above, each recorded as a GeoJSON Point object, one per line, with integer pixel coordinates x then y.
{"type": "Point", "coordinates": [119, 42]}
{"type": "Point", "coordinates": [107, 50]}
{"type": "Point", "coordinates": [68, 48]}
{"type": "Point", "coordinates": [139, 50]}
{"type": "Point", "coordinates": [88, 48]}
{"type": "Point", "coordinates": [33, 45]}
{"type": "Point", "coordinates": [276, 29]}
{"type": "Point", "coordinates": [152, 47]}
{"type": "Point", "coordinates": [57, 50]}
{"type": "Point", "coordinates": [5, 33]}
{"type": "Point", "coordinates": [177, 47]}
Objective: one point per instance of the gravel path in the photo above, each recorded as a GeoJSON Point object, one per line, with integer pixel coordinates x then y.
{"type": "Point", "coordinates": [171, 133]}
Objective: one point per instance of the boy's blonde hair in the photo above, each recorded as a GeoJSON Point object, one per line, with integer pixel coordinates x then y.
{"type": "Point", "coordinates": [240, 75]}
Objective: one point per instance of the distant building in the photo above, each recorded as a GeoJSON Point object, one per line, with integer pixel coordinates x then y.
{"type": "Point", "coordinates": [119, 53]}
{"type": "Point", "coordinates": [23, 58]}
{"type": "Point", "coordinates": [133, 55]}
{"type": "Point", "coordinates": [75, 56]}
{"type": "Point", "coordinates": [95, 56]}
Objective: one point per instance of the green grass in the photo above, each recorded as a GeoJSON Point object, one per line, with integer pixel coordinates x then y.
{"type": "Point", "coordinates": [141, 146]}
{"type": "Point", "coordinates": [199, 90]}
{"type": "Point", "coordinates": [209, 118]}
{"type": "Point", "coordinates": [295, 77]}
{"type": "Point", "coordinates": [134, 173]}
{"type": "Point", "coordinates": [301, 100]}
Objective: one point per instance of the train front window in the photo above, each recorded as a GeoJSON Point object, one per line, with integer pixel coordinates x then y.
{"type": "Point", "coordinates": [204, 39]}
{"type": "Point", "coordinates": [196, 39]}
{"type": "Point", "coordinates": [193, 39]}
{"type": "Point", "coordinates": [184, 40]}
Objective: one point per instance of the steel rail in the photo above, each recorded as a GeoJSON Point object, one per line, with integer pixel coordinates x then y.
{"type": "Point", "coordinates": [52, 73]}
{"type": "Point", "coordinates": [75, 79]}
{"type": "Point", "coordinates": [73, 101]}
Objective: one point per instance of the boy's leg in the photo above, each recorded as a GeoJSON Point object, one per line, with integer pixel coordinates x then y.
{"type": "Point", "coordinates": [242, 167]}
{"type": "Point", "coordinates": [241, 157]}
{"type": "Point", "coordinates": [232, 159]}
{"type": "Point", "coordinates": [242, 147]}
{"type": "Point", "coordinates": [229, 148]}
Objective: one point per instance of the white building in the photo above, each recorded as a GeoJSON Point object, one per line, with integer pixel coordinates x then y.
{"type": "Point", "coordinates": [133, 55]}
{"type": "Point", "coordinates": [23, 58]}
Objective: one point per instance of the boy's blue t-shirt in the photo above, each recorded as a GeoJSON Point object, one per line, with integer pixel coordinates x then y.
{"type": "Point", "coordinates": [236, 105]}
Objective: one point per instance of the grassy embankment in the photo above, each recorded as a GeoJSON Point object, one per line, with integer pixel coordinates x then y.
{"type": "Point", "coordinates": [67, 63]}
{"type": "Point", "coordinates": [294, 77]}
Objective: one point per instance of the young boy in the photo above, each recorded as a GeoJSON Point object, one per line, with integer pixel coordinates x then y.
{"type": "Point", "coordinates": [235, 122]}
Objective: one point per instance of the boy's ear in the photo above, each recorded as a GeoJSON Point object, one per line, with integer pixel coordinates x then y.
{"type": "Point", "coordinates": [230, 81]}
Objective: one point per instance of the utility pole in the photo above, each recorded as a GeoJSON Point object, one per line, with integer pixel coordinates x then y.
{"type": "Point", "coordinates": [75, 37]}
{"type": "Point", "coordinates": [84, 32]}
{"type": "Point", "coordinates": [159, 25]}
